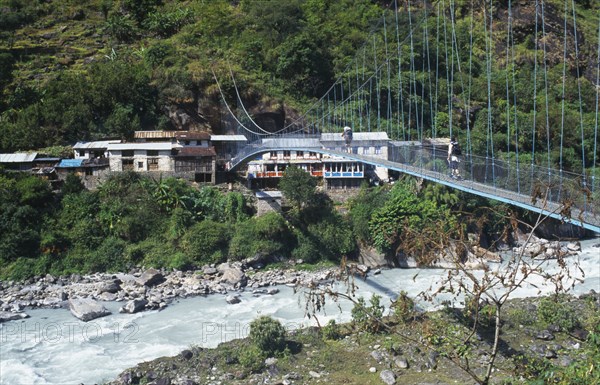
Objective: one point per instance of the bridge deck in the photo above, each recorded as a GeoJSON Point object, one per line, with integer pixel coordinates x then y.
{"type": "Point", "coordinates": [588, 218]}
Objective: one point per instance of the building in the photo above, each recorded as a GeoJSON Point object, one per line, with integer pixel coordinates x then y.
{"type": "Point", "coordinates": [336, 172]}
{"type": "Point", "coordinates": [19, 161]}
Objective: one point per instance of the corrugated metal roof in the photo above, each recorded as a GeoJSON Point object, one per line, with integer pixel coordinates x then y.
{"type": "Point", "coordinates": [228, 138]}
{"type": "Point", "coordinates": [292, 142]}
{"type": "Point", "coordinates": [18, 157]}
{"type": "Point", "coordinates": [268, 194]}
{"type": "Point", "coordinates": [94, 145]}
{"type": "Point", "coordinates": [66, 163]}
{"type": "Point", "coordinates": [337, 136]}
{"type": "Point", "coordinates": [141, 146]}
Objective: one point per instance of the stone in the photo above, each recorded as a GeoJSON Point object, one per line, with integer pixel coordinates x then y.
{"type": "Point", "coordinates": [86, 309]}
{"type": "Point", "coordinates": [233, 299]}
{"type": "Point", "coordinates": [432, 360]}
{"type": "Point", "coordinates": [234, 277]}
{"type": "Point", "coordinates": [373, 369]}
{"type": "Point", "coordinates": [574, 246]}
{"type": "Point", "coordinates": [272, 291]}
{"type": "Point", "coordinates": [388, 377]}
{"type": "Point", "coordinates": [134, 306]}
{"type": "Point", "coordinates": [186, 354]}
{"type": "Point", "coordinates": [377, 356]}
{"type": "Point", "coordinates": [110, 287]}
{"type": "Point", "coordinates": [270, 361]}
{"type": "Point", "coordinates": [10, 316]}
{"type": "Point", "coordinates": [544, 335]}
{"type": "Point", "coordinates": [209, 270]}
{"type": "Point", "coordinates": [150, 277]}
{"type": "Point", "coordinates": [314, 374]}
{"type": "Point", "coordinates": [402, 363]}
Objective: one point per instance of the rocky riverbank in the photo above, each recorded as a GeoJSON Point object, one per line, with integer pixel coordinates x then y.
{"type": "Point", "coordinates": [146, 289]}
{"type": "Point", "coordinates": [150, 289]}
{"type": "Point", "coordinates": [414, 352]}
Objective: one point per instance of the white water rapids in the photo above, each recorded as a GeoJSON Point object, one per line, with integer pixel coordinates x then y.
{"type": "Point", "coordinates": [53, 347]}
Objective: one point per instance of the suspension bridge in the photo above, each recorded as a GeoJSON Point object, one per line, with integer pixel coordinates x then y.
{"type": "Point", "coordinates": [524, 106]}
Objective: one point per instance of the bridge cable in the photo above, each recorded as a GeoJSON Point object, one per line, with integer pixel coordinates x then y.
{"type": "Point", "coordinates": [229, 109]}
{"type": "Point", "coordinates": [579, 92]}
{"type": "Point", "coordinates": [508, 107]}
{"type": "Point", "coordinates": [596, 120]}
{"type": "Point", "coordinates": [237, 92]}
{"type": "Point", "coordinates": [533, 129]}
{"type": "Point", "coordinates": [469, 141]}
{"type": "Point", "coordinates": [562, 118]}
{"type": "Point", "coordinates": [546, 90]}
{"type": "Point", "coordinates": [514, 88]}
{"type": "Point", "coordinates": [400, 88]}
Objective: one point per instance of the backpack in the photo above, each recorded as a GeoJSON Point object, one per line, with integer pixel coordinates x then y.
{"type": "Point", "coordinates": [456, 149]}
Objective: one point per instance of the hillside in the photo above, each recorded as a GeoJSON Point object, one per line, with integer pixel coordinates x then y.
{"type": "Point", "coordinates": [74, 70]}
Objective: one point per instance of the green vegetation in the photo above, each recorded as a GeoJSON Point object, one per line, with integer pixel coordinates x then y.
{"type": "Point", "coordinates": [268, 335]}
{"type": "Point", "coordinates": [131, 220]}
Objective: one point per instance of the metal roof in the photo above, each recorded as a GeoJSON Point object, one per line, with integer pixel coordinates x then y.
{"type": "Point", "coordinates": [337, 136]}
{"type": "Point", "coordinates": [298, 143]}
{"type": "Point", "coordinates": [268, 194]}
{"type": "Point", "coordinates": [94, 145]}
{"type": "Point", "coordinates": [228, 138]}
{"type": "Point", "coordinates": [141, 146]}
{"type": "Point", "coordinates": [18, 157]}
{"type": "Point", "coordinates": [65, 163]}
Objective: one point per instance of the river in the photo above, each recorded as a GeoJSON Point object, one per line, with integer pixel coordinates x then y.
{"type": "Point", "coordinates": [53, 347]}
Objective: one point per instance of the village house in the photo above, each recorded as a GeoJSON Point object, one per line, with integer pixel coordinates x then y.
{"type": "Point", "coordinates": [336, 172]}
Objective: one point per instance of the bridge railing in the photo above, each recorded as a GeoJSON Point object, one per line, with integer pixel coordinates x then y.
{"type": "Point", "coordinates": [503, 177]}
{"type": "Point", "coordinates": [497, 178]}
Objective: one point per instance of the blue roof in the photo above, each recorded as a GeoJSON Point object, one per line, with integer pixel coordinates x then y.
{"type": "Point", "coordinates": [71, 163]}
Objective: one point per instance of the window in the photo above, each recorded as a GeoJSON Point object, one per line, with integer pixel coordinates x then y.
{"type": "Point", "coordinates": [273, 154]}
{"type": "Point", "coordinates": [140, 165]}
{"type": "Point", "coordinates": [287, 153]}
{"type": "Point", "coordinates": [81, 153]}
{"type": "Point", "coordinates": [126, 153]}
{"type": "Point", "coordinates": [127, 164]}
{"type": "Point", "coordinates": [300, 154]}
{"type": "Point", "coordinates": [153, 164]}
{"type": "Point", "coordinates": [378, 150]}
{"type": "Point", "coordinates": [312, 154]}
{"type": "Point", "coordinates": [152, 152]}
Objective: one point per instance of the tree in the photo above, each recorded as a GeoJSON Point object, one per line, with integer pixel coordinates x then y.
{"type": "Point", "coordinates": [298, 186]}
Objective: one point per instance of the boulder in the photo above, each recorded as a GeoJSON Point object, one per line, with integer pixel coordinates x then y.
{"type": "Point", "coordinates": [485, 254]}
{"type": "Point", "coordinates": [234, 276]}
{"type": "Point", "coordinates": [87, 309]}
{"type": "Point", "coordinates": [233, 299]}
{"type": "Point", "coordinates": [10, 316]}
{"type": "Point", "coordinates": [150, 277]}
{"type": "Point", "coordinates": [110, 287]}
{"type": "Point", "coordinates": [134, 306]}
{"type": "Point", "coordinates": [388, 377]}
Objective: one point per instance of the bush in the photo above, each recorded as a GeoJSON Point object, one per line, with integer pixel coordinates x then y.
{"type": "Point", "coordinates": [265, 235]}
{"type": "Point", "coordinates": [331, 331]}
{"type": "Point", "coordinates": [404, 307]}
{"type": "Point", "coordinates": [554, 311]}
{"type": "Point", "coordinates": [206, 242]}
{"type": "Point", "coordinates": [268, 335]}
{"type": "Point", "coordinates": [368, 318]}
{"type": "Point", "coordinates": [251, 358]}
